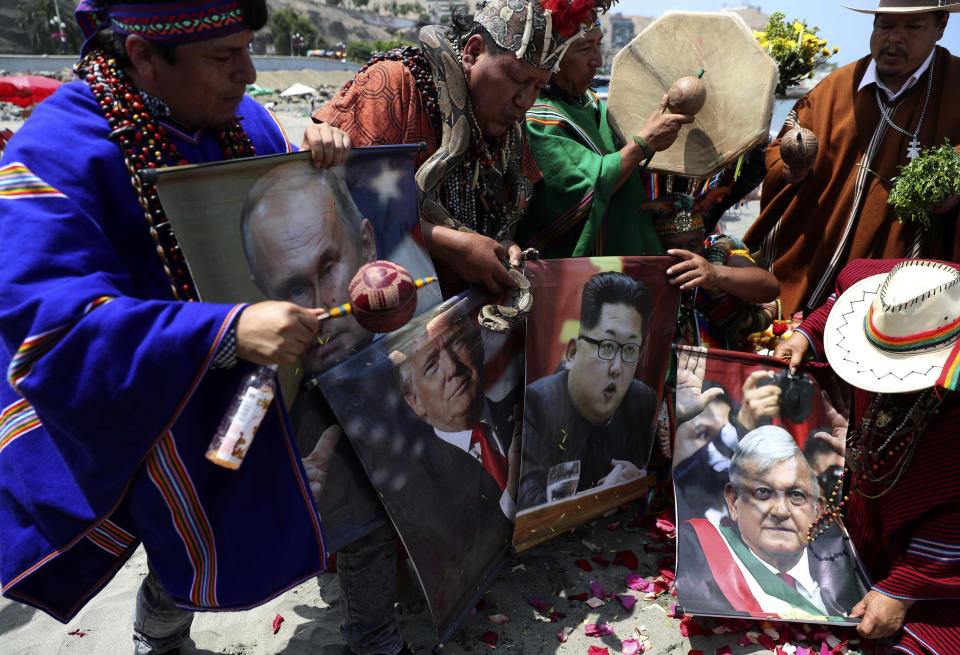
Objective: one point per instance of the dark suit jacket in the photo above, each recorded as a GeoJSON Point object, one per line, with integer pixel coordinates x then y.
{"type": "Point", "coordinates": [831, 565]}
{"type": "Point", "coordinates": [448, 515]}
{"type": "Point", "coordinates": [554, 432]}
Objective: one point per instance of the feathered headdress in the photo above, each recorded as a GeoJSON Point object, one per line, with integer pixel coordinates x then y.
{"type": "Point", "coordinates": [539, 31]}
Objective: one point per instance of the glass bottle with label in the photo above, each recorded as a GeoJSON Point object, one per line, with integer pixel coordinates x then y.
{"type": "Point", "coordinates": [239, 425]}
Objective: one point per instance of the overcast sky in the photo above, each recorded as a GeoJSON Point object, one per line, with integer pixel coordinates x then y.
{"type": "Point", "coordinates": [848, 30]}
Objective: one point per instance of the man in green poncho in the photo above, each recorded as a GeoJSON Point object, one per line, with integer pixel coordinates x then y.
{"type": "Point", "coordinates": [592, 189]}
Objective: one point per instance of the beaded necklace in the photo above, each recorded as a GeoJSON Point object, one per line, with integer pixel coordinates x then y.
{"type": "Point", "coordinates": [145, 145]}
{"type": "Point", "coordinates": [878, 452]}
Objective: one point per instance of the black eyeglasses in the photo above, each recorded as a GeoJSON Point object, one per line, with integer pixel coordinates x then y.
{"type": "Point", "coordinates": [608, 349]}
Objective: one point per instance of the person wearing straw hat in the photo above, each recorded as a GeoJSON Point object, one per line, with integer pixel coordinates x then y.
{"type": "Point", "coordinates": [870, 118]}
{"type": "Point", "coordinates": [118, 376]}
{"type": "Point", "coordinates": [891, 331]}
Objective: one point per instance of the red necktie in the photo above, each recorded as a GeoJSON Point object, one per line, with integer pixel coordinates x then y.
{"type": "Point", "coordinates": [491, 458]}
{"type": "Point", "coordinates": [789, 579]}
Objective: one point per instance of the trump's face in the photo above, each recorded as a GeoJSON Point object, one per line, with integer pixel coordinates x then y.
{"type": "Point", "coordinates": [773, 509]}
{"type": "Point", "coordinates": [305, 255]}
{"type": "Point", "coordinates": [445, 385]}
{"type": "Point", "coordinates": [604, 362]}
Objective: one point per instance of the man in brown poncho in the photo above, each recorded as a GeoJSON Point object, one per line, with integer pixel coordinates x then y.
{"type": "Point", "coordinates": [812, 222]}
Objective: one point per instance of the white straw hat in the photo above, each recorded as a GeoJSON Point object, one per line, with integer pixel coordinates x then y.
{"type": "Point", "coordinates": [897, 332]}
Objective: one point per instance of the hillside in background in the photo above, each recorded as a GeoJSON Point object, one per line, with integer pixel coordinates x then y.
{"type": "Point", "coordinates": [334, 24]}
{"type": "Point", "coordinates": [381, 20]}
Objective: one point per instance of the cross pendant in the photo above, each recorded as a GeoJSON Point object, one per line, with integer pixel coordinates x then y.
{"type": "Point", "coordinates": [913, 149]}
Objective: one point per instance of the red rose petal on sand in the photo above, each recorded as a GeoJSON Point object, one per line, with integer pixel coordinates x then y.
{"type": "Point", "coordinates": [277, 621]}
{"type": "Point", "coordinates": [627, 558]}
{"type": "Point", "coordinates": [490, 639]}
{"type": "Point", "coordinates": [723, 650]}
{"type": "Point", "coordinates": [602, 561]}
{"type": "Point", "coordinates": [627, 601]}
{"type": "Point", "coordinates": [583, 564]}
{"type": "Point", "coordinates": [597, 590]}
{"type": "Point", "coordinates": [766, 642]}
{"type": "Point", "coordinates": [499, 619]}
{"type": "Point", "coordinates": [581, 597]}
{"type": "Point", "coordinates": [596, 650]}
{"type": "Point", "coordinates": [630, 647]}
{"type": "Point", "coordinates": [562, 634]}
{"type": "Point", "coordinates": [540, 605]}
{"type": "Point", "coordinates": [665, 525]}
{"type": "Point", "coordinates": [76, 633]}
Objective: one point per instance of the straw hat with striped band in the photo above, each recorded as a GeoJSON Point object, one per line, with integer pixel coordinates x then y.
{"type": "Point", "coordinates": [898, 332]}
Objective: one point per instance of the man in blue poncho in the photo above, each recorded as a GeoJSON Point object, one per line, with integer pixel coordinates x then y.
{"type": "Point", "coordinates": [116, 378]}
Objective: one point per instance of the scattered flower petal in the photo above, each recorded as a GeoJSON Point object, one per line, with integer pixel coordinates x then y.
{"type": "Point", "coordinates": [638, 583]}
{"type": "Point", "coordinates": [540, 605]}
{"type": "Point", "coordinates": [613, 526]}
{"type": "Point", "coordinates": [595, 603]}
{"type": "Point", "coordinates": [581, 597]}
{"type": "Point", "coordinates": [723, 650]}
{"type": "Point", "coordinates": [519, 568]}
{"type": "Point", "coordinates": [490, 639]}
{"type": "Point", "coordinates": [630, 646]}
{"type": "Point", "coordinates": [598, 629]}
{"type": "Point", "coordinates": [596, 650]}
{"type": "Point", "coordinates": [76, 633]}
{"type": "Point", "coordinates": [592, 547]}
{"type": "Point", "coordinates": [627, 601]}
{"type": "Point", "coordinates": [597, 590]}
{"type": "Point", "coordinates": [583, 564]}
{"type": "Point", "coordinates": [499, 619]}
{"type": "Point", "coordinates": [627, 558]}
{"type": "Point", "coordinates": [277, 622]}
{"type": "Point", "coordinates": [562, 634]}
{"type": "Point", "coordinates": [602, 561]}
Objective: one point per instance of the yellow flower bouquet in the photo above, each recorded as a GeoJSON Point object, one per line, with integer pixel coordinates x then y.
{"type": "Point", "coordinates": [795, 47]}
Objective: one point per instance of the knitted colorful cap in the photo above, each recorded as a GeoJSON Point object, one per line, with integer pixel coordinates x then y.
{"type": "Point", "coordinates": [539, 31]}
{"type": "Point", "coordinates": [173, 23]}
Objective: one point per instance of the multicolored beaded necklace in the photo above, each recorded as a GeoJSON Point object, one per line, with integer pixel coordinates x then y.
{"type": "Point", "coordinates": [486, 167]}
{"type": "Point", "coordinates": [880, 449]}
{"type": "Point", "coordinates": [145, 145]}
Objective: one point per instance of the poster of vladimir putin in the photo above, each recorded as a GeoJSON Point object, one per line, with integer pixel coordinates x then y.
{"type": "Point", "coordinates": [598, 342]}
{"type": "Point", "coordinates": [433, 410]}
{"type": "Point", "coordinates": [276, 228]}
{"type": "Point", "coordinates": [754, 465]}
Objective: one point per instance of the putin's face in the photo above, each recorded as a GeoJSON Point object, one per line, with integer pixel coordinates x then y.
{"type": "Point", "coordinates": [305, 255]}
{"type": "Point", "coordinates": [604, 362]}
{"type": "Point", "coordinates": [773, 509]}
{"type": "Point", "coordinates": [445, 384]}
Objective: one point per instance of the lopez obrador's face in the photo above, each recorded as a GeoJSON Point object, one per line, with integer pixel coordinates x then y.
{"type": "Point", "coordinates": [445, 384]}
{"type": "Point", "coordinates": [773, 509]}
{"type": "Point", "coordinates": [605, 361]}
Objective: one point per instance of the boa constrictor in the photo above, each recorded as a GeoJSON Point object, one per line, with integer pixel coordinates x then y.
{"type": "Point", "coordinates": [454, 99]}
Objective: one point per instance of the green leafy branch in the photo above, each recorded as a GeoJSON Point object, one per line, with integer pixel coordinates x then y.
{"type": "Point", "coordinates": [926, 182]}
